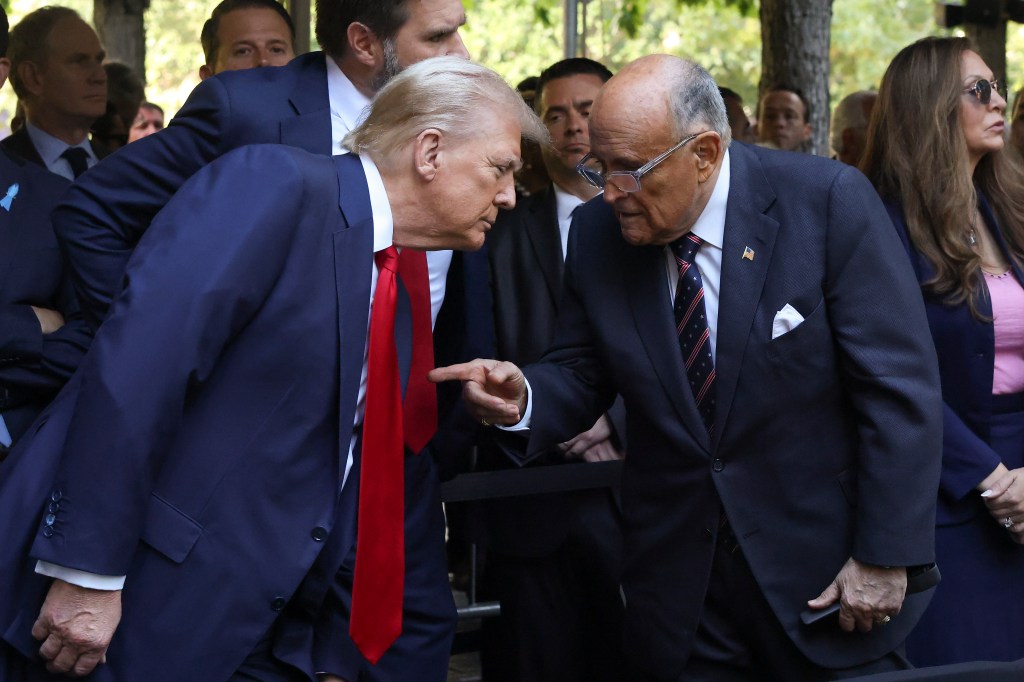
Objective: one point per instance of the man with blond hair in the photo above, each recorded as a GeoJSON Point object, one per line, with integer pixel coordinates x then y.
{"type": "Point", "coordinates": [250, 389]}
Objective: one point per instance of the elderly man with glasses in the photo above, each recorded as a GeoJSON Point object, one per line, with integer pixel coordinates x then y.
{"type": "Point", "coordinates": [754, 311]}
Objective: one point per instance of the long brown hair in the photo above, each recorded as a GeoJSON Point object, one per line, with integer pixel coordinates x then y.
{"type": "Point", "coordinates": [917, 155]}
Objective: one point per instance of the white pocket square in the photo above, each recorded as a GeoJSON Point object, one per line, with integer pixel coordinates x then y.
{"type": "Point", "coordinates": [786, 320]}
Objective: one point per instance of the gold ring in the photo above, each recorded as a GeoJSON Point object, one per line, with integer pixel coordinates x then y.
{"type": "Point", "coordinates": [1007, 522]}
{"type": "Point", "coordinates": [484, 422]}
{"type": "Point", "coordinates": [884, 620]}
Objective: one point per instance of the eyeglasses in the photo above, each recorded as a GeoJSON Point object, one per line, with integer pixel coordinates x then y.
{"type": "Point", "coordinates": [983, 89]}
{"type": "Point", "coordinates": [625, 181]}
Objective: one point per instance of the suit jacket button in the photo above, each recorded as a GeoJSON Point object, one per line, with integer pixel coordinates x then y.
{"type": "Point", "coordinates": [319, 534]}
{"type": "Point", "coordinates": [50, 519]}
{"type": "Point", "coordinates": [717, 464]}
{"type": "Point", "coordinates": [48, 532]}
{"type": "Point", "coordinates": [707, 533]}
{"type": "Point", "coordinates": [56, 496]}
{"type": "Point", "coordinates": [53, 507]}
{"type": "Point", "coordinates": [278, 604]}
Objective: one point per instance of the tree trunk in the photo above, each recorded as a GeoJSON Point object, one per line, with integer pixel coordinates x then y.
{"type": "Point", "coordinates": [990, 41]}
{"type": "Point", "coordinates": [120, 26]}
{"type": "Point", "coordinates": [795, 37]}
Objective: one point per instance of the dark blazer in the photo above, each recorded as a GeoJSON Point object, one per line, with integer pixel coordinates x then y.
{"type": "Point", "coordinates": [215, 415]}
{"type": "Point", "coordinates": [21, 144]}
{"type": "Point", "coordinates": [966, 352]}
{"type": "Point", "coordinates": [33, 365]}
{"type": "Point", "coordinates": [525, 254]}
{"type": "Point", "coordinates": [826, 439]}
{"type": "Point", "coordinates": [99, 223]}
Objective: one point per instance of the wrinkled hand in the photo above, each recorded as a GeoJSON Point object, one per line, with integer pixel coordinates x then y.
{"type": "Point", "coordinates": [49, 320]}
{"type": "Point", "coordinates": [1004, 497]}
{"type": "Point", "coordinates": [495, 392]}
{"type": "Point", "coordinates": [594, 445]}
{"type": "Point", "coordinates": [77, 625]}
{"type": "Point", "coordinates": [866, 594]}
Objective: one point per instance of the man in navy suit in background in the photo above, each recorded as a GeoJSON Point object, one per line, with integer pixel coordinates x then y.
{"type": "Point", "coordinates": [214, 427]}
{"type": "Point", "coordinates": [42, 334]}
{"type": "Point", "coordinates": [57, 72]}
{"type": "Point", "coordinates": [754, 311]}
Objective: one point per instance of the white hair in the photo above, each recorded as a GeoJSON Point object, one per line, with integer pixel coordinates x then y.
{"type": "Point", "coordinates": [446, 93]}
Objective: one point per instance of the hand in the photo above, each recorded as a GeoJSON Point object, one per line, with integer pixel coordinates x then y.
{"type": "Point", "coordinates": [77, 624]}
{"type": "Point", "coordinates": [866, 594]}
{"type": "Point", "coordinates": [495, 392]}
{"type": "Point", "coordinates": [1004, 498]}
{"type": "Point", "coordinates": [330, 678]}
{"type": "Point", "coordinates": [594, 445]}
{"type": "Point", "coordinates": [49, 320]}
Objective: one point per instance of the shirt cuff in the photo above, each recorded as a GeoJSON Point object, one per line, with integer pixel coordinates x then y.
{"type": "Point", "coordinates": [81, 578]}
{"type": "Point", "coordinates": [524, 423]}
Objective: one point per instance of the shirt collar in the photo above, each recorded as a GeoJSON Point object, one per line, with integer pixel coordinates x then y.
{"type": "Point", "coordinates": [347, 103]}
{"type": "Point", "coordinates": [383, 220]}
{"type": "Point", "coordinates": [566, 203]}
{"type": "Point", "coordinates": [50, 148]}
{"type": "Point", "coordinates": [710, 226]}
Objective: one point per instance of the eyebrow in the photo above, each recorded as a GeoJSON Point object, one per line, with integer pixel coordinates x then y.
{"type": "Point", "coordinates": [446, 30]}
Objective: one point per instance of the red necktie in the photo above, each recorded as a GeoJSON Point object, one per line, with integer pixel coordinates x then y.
{"type": "Point", "coordinates": [380, 542]}
{"type": "Point", "coordinates": [420, 395]}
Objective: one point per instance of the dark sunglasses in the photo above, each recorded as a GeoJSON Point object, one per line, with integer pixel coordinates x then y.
{"type": "Point", "coordinates": [983, 89]}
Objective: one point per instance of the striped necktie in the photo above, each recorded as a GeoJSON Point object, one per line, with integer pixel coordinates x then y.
{"type": "Point", "coordinates": [692, 328]}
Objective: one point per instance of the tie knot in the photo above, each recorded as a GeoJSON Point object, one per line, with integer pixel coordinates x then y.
{"type": "Point", "coordinates": [387, 259]}
{"type": "Point", "coordinates": [78, 158]}
{"type": "Point", "coordinates": [686, 247]}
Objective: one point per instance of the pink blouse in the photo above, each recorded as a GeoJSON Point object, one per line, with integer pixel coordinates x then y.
{"type": "Point", "coordinates": [1008, 318]}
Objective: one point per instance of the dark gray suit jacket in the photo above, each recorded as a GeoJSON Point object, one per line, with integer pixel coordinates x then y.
{"type": "Point", "coordinates": [827, 439]}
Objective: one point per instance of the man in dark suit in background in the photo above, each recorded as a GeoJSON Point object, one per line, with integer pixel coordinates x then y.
{"type": "Point", "coordinates": [552, 560]}
{"type": "Point", "coordinates": [782, 403]}
{"type": "Point", "coordinates": [42, 334]}
{"type": "Point", "coordinates": [57, 73]}
{"type": "Point", "coordinates": [212, 463]}
{"type": "Point", "coordinates": [246, 34]}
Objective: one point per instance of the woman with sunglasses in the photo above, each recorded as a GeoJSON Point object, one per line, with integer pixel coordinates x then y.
{"type": "Point", "coordinates": [935, 154]}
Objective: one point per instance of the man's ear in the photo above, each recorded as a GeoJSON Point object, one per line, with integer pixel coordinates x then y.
{"type": "Point", "coordinates": [427, 153]}
{"type": "Point", "coordinates": [205, 71]}
{"type": "Point", "coordinates": [808, 129]}
{"type": "Point", "coordinates": [708, 151]}
{"type": "Point", "coordinates": [31, 77]}
{"type": "Point", "coordinates": [364, 44]}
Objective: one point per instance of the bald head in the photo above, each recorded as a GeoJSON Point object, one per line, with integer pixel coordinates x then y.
{"type": "Point", "coordinates": [658, 132]}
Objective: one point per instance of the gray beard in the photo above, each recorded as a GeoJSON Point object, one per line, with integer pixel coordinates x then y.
{"type": "Point", "coordinates": [391, 66]}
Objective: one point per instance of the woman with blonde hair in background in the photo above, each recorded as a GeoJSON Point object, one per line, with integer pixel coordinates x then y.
{"type": "Point", "coordinates": [935, 153]}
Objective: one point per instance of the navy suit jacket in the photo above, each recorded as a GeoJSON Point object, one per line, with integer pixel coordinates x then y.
{"type": "Point", "coordinates": [214, 415]}
{"type": "Point", "coordinates": [33, 365]}
{"type": "Point", "coordinates": [827, 439]}
{"type": "Point", "coordinates": [99, 222]}
{"type": "Point", "coordinates": [966, 352]}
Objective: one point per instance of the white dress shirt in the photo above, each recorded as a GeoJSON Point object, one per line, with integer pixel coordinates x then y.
{"type": "Point", "coordinates": [50, 149]}
{"type": "Point", "coordinates": [565, 204]}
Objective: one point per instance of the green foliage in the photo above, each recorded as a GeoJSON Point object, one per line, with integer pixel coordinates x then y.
{"type": "Point", "coordinates": [518, 38]}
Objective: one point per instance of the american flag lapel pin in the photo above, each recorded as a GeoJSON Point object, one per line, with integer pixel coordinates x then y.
{"type": "Point", "coordinates": [748, 253]}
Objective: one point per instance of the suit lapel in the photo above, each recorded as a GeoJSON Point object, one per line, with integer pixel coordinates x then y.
{"type": "Point", "coordinates": [746, 225]}
{"type": "Point", "coordinates": [310, 129]}
{"type": "Point", "coordinates": [353, 267]}
{"type": "Point", "coordinates": [546, 240]}
{"type": "Point", "coordinates": [652, 312]}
